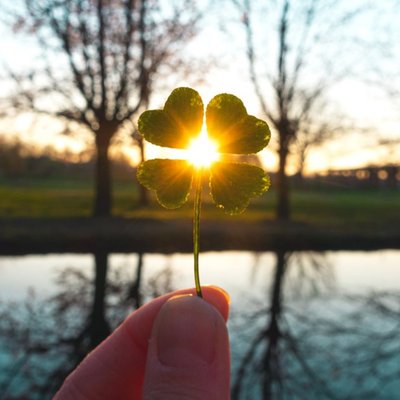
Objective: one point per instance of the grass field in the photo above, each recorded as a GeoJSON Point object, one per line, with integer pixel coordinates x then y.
{"type": "Point", "coordinates": [68, 198]}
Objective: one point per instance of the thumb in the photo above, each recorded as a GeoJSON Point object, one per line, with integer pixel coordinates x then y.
{"type": "Point", "coordinates": [188, 356]}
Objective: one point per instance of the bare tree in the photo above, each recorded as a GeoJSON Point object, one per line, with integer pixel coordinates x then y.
{"type": "Point", "coordinates": [295, 56]}
{"type": "Point", "coordinates": [310, 137]}
{"type": "Point", "coordinates": [338, 347]}
{"type": "Point", "coordinates": [100, 62]}
{"type": "Point", "coordinates": [45, 339]}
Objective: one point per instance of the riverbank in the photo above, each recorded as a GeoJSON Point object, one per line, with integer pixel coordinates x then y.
{"type": "Point", "coordinates": [147, 235]}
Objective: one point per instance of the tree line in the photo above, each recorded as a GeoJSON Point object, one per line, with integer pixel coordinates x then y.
{"type": "Point", "coordinates": [19, 161]}
{"type": "Point", "coordinates": [105, 60]}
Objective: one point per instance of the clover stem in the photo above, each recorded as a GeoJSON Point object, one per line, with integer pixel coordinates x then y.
{"type": "Point", "coordinates": [196, 231]}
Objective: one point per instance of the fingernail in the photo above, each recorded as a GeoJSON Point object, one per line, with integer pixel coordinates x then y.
{"type": "Point", "coordinates": [223, 291]}
{"type": "Point", "coordinates": [185, 332]}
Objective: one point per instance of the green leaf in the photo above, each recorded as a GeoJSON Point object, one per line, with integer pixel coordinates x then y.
{"type": "Point", "coordinates": [232, 128]}
{"type": "Point", "coordinates": [170, 179]}
{"type": "Point", "coordinates": [232, 185]}
{"type": "Point", "coordinates": [178, 123]}
{"type": "Point", "coordinates": [158, 128]}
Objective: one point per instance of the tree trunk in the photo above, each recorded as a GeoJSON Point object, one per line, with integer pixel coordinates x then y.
{"type": "Point", "coordinates": [102, 200]}
{"type": "Point", "coordinates": [143, 192]}
{"type": "Point", "coordinates": [283, 211]}
{"type": "Point", "coordinates": [99, 328]}
{"type": "Point", "coordinates": [271, 356]}
{"type": "Point", "coordinates": [135, 292]}
{"type": "Point", "coordinates": [303, 151]}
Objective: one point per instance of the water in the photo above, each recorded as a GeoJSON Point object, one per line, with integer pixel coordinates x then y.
{"type": "Point", "coordinates": [303, 325]}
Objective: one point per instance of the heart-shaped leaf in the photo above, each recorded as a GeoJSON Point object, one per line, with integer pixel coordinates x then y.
{"type": "Point", "coordinates": [178, 123]}
{"type": "Point", "coordinates": [171, 179]}
{"type": "Point", "coordinates": [232, 128]}
{"type": "Point", "coordinates": [232, 185]}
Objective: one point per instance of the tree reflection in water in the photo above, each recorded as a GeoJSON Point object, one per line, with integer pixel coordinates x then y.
{"type": "Point", "coordinates": [307, 342]}
{"type": "Point", "coordinates": [341, 347]}
{"type": "Point", "coordinates": [43, 340]}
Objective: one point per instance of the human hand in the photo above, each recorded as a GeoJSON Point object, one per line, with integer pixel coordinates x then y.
{"type": "Point", "coordinates": [174, 347]}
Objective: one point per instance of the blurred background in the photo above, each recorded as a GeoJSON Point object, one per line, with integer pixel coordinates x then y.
{"type": "Point", "coordinates": [312, 266]}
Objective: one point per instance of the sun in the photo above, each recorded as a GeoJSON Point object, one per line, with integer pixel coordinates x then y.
{"type": "Point", "coordinates": [202, 151]}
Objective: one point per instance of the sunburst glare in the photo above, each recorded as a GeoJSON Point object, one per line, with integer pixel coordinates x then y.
{"type": "Point", "coordinates": [202, 151]}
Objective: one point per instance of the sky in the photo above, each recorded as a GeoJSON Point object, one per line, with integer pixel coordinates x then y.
{"type": "Point", "coordinates": [359, 98]}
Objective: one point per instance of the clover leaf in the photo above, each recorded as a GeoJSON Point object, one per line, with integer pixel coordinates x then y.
{"type": "Point", "coordinates": [234, 130]}
{"type": "Point", "coordinates": [171, 179]}
{"type": "Point", "coordinates": [232, 185]}
{"type": "Point", "coordinates": [179, 121]}
{"type": "Point", "coordinates": [177, 125]}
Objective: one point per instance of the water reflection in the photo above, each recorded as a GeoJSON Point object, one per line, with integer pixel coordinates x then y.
{"type": "Point", "coordinates": [262, 372]}
{"type": "Point", "coordinates": [134, 292]}
{"type": "Point", "coordinates": [43, 340]}
{"type": "Point", "coordinates": [347, 349]}
{"type": "Point", "coordinates": [295, 334]}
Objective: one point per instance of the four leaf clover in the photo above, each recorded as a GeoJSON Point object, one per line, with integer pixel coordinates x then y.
{"type": "Point", "coordinates": [234, 131]}
{"type": "Point", "coordinates": [228, 125]}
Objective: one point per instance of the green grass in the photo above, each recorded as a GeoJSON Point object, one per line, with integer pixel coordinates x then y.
{"type": "Point", "coordinates": [58, 198]}
{"type": "Point", "coordinates": [68, 198]}
{"type": "Point", "coordinates": [348, 206]}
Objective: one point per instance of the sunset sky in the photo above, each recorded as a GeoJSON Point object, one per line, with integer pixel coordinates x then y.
{"type": "Point", "coordinates": [360, 98]}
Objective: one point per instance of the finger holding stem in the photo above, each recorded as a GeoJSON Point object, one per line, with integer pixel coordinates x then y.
{"type": "Point", "coordinates": [196, 230]}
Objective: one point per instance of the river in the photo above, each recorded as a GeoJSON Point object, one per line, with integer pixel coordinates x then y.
{"type": "Point", "coordinates": [303, 325]}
